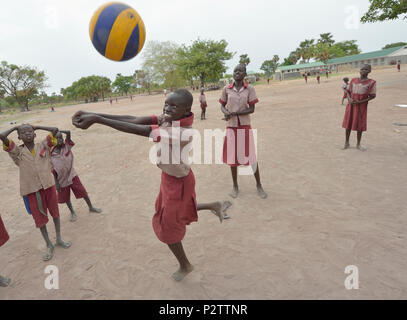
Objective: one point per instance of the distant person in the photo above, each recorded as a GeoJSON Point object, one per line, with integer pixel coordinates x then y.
{"type": "Point", "coordinates": [399, 65]}
{"type": "Point", "coordinates": [131, 97]}
{"type": "Point", "coordinates": [327, 73]}
{"type": "Point", "coordinates": [202, 100]}
{"type": "Point", "coordinates": [4, 282]}
{"type": "Point", "coordinates": [306, 77]}
{"type": "Point", "coordinates": [111, 100]}
{"type": "Point", "coordinates": [66, 178]}
{"type": "Point", "coordinates": [268, 80]}
{"type": "Point", "coordinates": [52, 109]}
{"type": "Point", "coordinates": [165, 92]}
{"type": "Point", "coordinates": [318, 78]}
{"type": "Point", "coordinates": [361, 91]}
{"type": "Point", "coordinates": [345, 87]}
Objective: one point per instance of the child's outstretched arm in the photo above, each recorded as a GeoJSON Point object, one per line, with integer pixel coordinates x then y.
{"type": "Point", "coordinates": [84, 120]}
{"type": "Point", "coordinates": [5, 134]}
{"type": "Point", "coordinates": [125, 118]}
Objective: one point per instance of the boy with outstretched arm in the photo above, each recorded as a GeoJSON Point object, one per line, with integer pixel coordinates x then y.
{"type": "Point", "coordinates": [176, 205]}
{"type": "Point", "coordinates": [66, 178]}
{"type": "Point", "coordinates": [37, 185]}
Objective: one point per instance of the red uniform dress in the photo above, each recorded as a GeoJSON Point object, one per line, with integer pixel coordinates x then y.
{"type": "Point", "coordinates": [239, 145]}
{"type": "Point", "coordinates": [356, 115]}
{"type": "Point", "coordinates": [62, 164]}
{"type": "Point", "coordinates": [176, 205]}
{"type": "Point", "coordinates": [398, 66]}
{"type": "Point", "coordinates": [3, 233]}
{"type": "Point", "coordinates": [202, 100]}
{"type": "Point", "coordinates": [345, 87]}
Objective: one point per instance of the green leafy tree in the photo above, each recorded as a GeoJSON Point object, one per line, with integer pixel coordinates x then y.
{"type": "Point", "coordinates": [88, 88]}
{"type": "Point", "coordinates": [292, 59]}
{"type": "Point", "coordinates": [393, 45]}
{"type": "Point", "coordinates": [326, 38]}
{"type": "Point", "coordinates": [322, 52]}
{"type": "Point", "coordinates": [244, 59]}
{"type": "Point", "coordinates": [382, 10]}
{"type": "Point", "coordinates": [270, 66]}
{"type": "Point", "coordinates": [144, 79]}
{"type": "Point", "coordinates": [305, 51]}
{"type": "Point", "coordinates": [344, 48]}
{"type": "Point", "coordinates": [123, 84]}
{"type": "Point", "coordinates": [22, 83]}
{"type": "Point", "coordinates": [204, 59]}
{"type": "Point", "coordinates": [160, 59]}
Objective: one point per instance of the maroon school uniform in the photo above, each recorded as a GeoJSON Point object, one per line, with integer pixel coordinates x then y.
{"type": "Point", "coordinates": [3, 233]}
{"type": "Point", "coordinates": [202, 100]}
{"type": "Point", "coordinates": [239, 146]}
{"type": "Point", "coordinates": [356, 115]}
{"type": "Point", "coordinates": [176, 205]}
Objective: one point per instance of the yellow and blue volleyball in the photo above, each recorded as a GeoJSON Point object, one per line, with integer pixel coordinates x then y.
{"type": "Point", "coordinates": [117, 31]}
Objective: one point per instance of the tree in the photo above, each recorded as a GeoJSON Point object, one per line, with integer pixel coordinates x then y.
{"type": "Point", "coordinates": [394, 45]}
{"type": "Point", "coordinates": [322, 52]}
{"type": "Point", "coordinates": [344, 48]}
{"type": "Point", "coordinates": [290, 60]}
{"type": "Point", "coordinates": [204, 59]}
{"type": "Point", "coordinates": [244, 59]}
{"type": "Point", "coordinates": [306, 50]}
{"type": "Point", "coordinates": [382, 10]}
{"type": "Point", "coordinates": [88, 88]}
{"type": "Point", "coordinates": [326, 38]}
{"type": "Point", "coordinates": [144, 79]}
{"type": "Point", "coordinates": [22, 83]}
{"type": "Point", "coordinates": [270, 66]}
{"type": "Point", "coordinates": [160, 58]}
{"type": "Point", "coordinates": [123, 84]}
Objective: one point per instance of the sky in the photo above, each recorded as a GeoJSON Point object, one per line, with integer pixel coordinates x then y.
{"type": "Point", "coordinates": [53, 35]}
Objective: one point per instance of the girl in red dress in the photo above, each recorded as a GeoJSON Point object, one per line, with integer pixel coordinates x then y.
{"type": "Point", "coordinates": [361, 91]}
{"type": "Point", "coordinates": [4, 282]}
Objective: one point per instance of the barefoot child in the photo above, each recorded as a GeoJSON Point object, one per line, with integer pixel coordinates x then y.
{"type": "Point", "coordinates": [318, 78]}
{"type": "Point", "coordinates": [176, 205]}
{"type": "Point", "coordinates": [345, 87]}
{"type": "Point", "coordinates": [66, 179]}
{"type": "Point", "coordinates": [36, 182]}
{"type": "Point", "coordinates": [361, 91]}
{"type": "Point", "coordinates": [238, 101]}
{"type": "Point", "coordinates": [202, 101]}
{"type": "Point", "coordinates": [4, 282]}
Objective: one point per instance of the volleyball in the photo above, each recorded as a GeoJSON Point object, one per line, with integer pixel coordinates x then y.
{"type": "Point", "coordinates": [117, 31]}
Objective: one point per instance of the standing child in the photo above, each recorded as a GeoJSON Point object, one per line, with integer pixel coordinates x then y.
{"type": "Point", "coordinates": [327, 73]}
{"type": "Point", "coordinates": [4, 282]}
{"type": "Point", "coordinates": [399, 65]}
{"type": "Point", "coordinates": [306, 77]}
{"type": "Point", "coordinates": [238, 101]}
{"type": "Point", "coordinates": [345, 87]}
{"type": "Point", "coordinates": [111, 100]}
{"type": "Point", "coordinates": [361, 91]}
{"type": "Point", "coordinates": [36, 181]}
{"type": "Point", "coordinates": [202, 100]}
{"type": "Point", "coordinates": [318, 78]}
{"type": "Point", "coordinates": [66, 178]}
{"type": "Point", "coordinates": [176, 205]}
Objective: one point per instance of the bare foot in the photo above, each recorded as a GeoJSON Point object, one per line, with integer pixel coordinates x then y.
{"type": "Point", "coordinates": [96, 210]}
{"type": "Point", "coordinates": [63, 244]}
{"type": "Point", "coordinates": [346, 146]}
{"type": "Point", "coordinates": [234, 192]}
{"type": "Point", "coordinates": [360, 148]}
{"type": "Point", "coordinates": [49, 253]}
{"type": "Point", "coordinates": [261, 192]}
{"type": "Point", "coordinates": [181, 273]}
{"type": "Point", "coordinates": [73, 217]}
{"type": "Point", "coordinates": [220, 210]}
{"type": "Point", "coordinates": [4, 282]}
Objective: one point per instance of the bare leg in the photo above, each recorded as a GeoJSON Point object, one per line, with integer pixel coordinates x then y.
{"type": "Point", "coordinates": [202, 114]}
{"type": "Point", "coordinates": [73, 214]}
{"type": "Point", "coordinates": [91, 207]}
{"type": "Point", "coordinates": [4, 282]}
{"type": "Point", "coordinates": [49, 253]}
{"type": "Point", "coordinates": [217, 208]}
{"type": "Point", "coordinates": [260, 190]}
{"type": "Point", "coordinates": [185, 266]}
{"type": "Point", "coordinates": [235, 190]}
{"type": "Point", "coordinates": [347, 136]}
{"type": "Point", "coordinates": [358, 146]}
{"type": "Point", "coordinates": [60, 242]}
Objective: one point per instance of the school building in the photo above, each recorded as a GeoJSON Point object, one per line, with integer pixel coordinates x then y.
{"type": "Point", "coordinates": [376, 58]}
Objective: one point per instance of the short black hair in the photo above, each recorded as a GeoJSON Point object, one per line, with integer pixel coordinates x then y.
{"type": "Point", "coordinates": [242, 65]}
{"type": "Point", "coordinates": [186, 98]}
{"type": "Point", "coordinates": [24, 125]}
{"type": "Point", "coordinates": [346, 79]}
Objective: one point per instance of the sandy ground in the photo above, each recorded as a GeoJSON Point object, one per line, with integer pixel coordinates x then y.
{"type": "Point", "coordinates": [327, 208]}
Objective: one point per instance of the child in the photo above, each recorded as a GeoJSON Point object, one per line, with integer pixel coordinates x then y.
{"type": "Point", "coordinates": [238, 101]}
{"type": "Point", "coordinates": [399, 65]}
{"type": "Point", "coordinates": [36, 182]}
{"type": "Point", "coordinates": [361, 91]}
{"type": "Point", "coordinates": [345, 87]}
{"type": "Point", "coordinates": [111, 100]}
{"type": "Point", "coordinates": [4, 282]}
{"type": "Point", "coordinates": [318, 78]}
{"type": "Point", "coordinates": [176, 204]}
{"type": "Point", "coordinates": [66, 179]}
{"type": "Point", "coordinates": [306, 77]}
{"type": "Point", "coordinates": [327, 73]}
{"type": "Point", "coordinates": [202, 100]}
